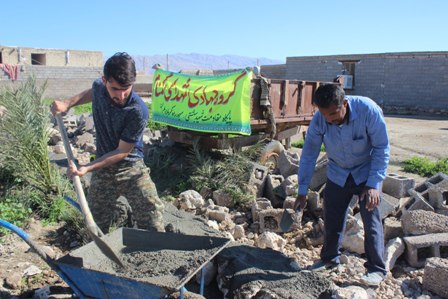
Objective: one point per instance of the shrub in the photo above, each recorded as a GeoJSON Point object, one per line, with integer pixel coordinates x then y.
{"type": "Point", "coordinates": [13, 211]}
{"type": "Point", "coordinates": [423, 166]}
{"type": "Point", "coordinates": [81, 109]}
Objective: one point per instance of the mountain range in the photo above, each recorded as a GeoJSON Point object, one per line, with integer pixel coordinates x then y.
{"type": "Point", "coordinates": [195, 61]}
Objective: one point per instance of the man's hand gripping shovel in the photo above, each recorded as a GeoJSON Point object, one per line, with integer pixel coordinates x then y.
{"type": "Point", "coordinates": [92, 228]}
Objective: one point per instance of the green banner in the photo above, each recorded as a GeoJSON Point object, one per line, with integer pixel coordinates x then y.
{"type": "Point", "coordinates": [216, 104]}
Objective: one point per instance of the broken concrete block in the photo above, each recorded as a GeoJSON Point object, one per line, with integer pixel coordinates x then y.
{"type": "Point", "coordinates": [270, 220]}
{"type": "Point", "coordinates": [288, 163]}
{"type": "Point", "coordinates": [419, 248]}
{"type": "Point", "coordinates": [218, 214]}
{"type": "Point", "coordinates": [258, 205]}
{"type": "Point", "coordinates": [350, 292]}
{"type": "Point", "coordinates": [271, 240]}
{"type": "Point", "coordinates": [222, 198]}
{"type": "Point", "coordinates": [258, 178]}
{"type": "Point", "coordinates": [420, 222]}
{"type": "Point", "coordinates": [435, 276]}
{"type": "Point", "coordinates": [438, 195]}
{"type": "Point", "coordinates": [290, 185]}
{"type": "Point", "coordinates": [397, 185]}
{"type": "Point", "coordinates": [289, 202]}
{"type": "Point", "coordinates": [274, 191]}
{"type": "Point", "coordinates": [388, 205]}
{"type": "Point", "coordinates": [354, 235]}
{"type": "Point", "coordinates": [394, 249]}
{"type": "Point", "coordinates": [392, 228]}
{"type": "Point", "coordinates": [190, 200]}
{"type": "Point", "coordinates": [238, 232]}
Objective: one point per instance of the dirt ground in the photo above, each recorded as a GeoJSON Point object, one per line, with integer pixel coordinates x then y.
{"type": "Point", "coordinates": [409, 136]}
{"type": "Point", "coordinates": [416, 136]}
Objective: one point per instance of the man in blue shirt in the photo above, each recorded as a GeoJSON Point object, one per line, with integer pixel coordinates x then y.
{"type": "Point", "coordinates": [120, 116]}
{"type": "Point", "coordinates": [353, 131]}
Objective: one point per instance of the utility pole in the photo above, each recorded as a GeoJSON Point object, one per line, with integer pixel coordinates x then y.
{"type": "Point", "coordinates": [228, 63]}
{"type": "Point", "coordinates": [167, 65]}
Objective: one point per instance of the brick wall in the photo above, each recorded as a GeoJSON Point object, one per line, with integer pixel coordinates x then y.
{"type": "Point", "coordinates": [398, 81]}
{"type": "Point", "coordinates": [61, 82]}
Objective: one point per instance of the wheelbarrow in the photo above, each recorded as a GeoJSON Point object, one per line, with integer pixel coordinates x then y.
{"type": "Point", "coordinates": [90, 274]}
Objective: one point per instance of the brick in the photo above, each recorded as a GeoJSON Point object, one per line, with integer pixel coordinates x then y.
{"type": "Point", "coordinates": [419, 248]}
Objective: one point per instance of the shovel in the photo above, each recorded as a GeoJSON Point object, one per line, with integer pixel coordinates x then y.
{"type": "Point", "coordinates": [288, 219]}
{"type": "Point", "coordinates": [92, 228]}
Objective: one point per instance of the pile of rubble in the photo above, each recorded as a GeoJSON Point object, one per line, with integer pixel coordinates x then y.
{"type": "Point", "coordinates": [415, 221]}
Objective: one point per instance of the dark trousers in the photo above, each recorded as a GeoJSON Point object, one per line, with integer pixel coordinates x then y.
{"type": "Point", "coordinates": [336, 203]}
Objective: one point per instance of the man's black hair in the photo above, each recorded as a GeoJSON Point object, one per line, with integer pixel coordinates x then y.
{"type": "Point", "coordinates": [121, 68]}
{"type": "Point", "coordinates": [329, 94]}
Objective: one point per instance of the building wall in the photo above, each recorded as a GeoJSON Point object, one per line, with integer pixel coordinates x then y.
{"type": "Point", "coordinates": [277, 71]}
{"type": "Point", "coordinates": [53, 57]}
{"type": "Point", "coordinates": [397, 81]}
{"type": "Point", "coordinates": [62, 82]}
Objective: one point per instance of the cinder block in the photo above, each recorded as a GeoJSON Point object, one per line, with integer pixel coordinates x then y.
{"type": "Point", "coordinates": [416, 202]}
{"type": "Point", "coordinates": [438, 180]}
{"type": "Point", "coordinates": [273, 190]}
{"type": "Point", "coordinates": [258, 178]}
{"type": "Point", "coordinates": [397, 185]}
{"type": "Point", "coordinates": [435, 276]}
{"type": "Point", "coordinates": [419, 248]}
{"type": "Point", "coordinates": [270, 220]}
{"type": "Point", "coordinates": [438, 195]}
{"type": "Point", "coordinates": [259, 205]}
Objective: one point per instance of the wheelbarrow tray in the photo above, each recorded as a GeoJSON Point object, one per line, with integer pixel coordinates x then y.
{"type": "Point", "coordinates": [93, 274]}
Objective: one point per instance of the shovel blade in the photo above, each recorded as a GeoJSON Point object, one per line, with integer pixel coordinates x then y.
{"type": "Point", "coordinates": [105, 249]}
{"type": "Point", "coordinates": [286, 221]}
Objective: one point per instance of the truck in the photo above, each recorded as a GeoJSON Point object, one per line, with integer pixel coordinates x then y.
{"type": "Point", "coordinates": [278, 109]}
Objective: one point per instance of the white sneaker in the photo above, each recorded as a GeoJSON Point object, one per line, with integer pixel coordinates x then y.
{"type": "Point", "coordinates": [372, 279]}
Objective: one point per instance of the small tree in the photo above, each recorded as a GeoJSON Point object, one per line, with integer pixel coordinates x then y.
{"type": "Point", "coordinates": [24, 136]}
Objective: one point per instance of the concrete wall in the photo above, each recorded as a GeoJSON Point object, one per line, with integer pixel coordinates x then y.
{"type": "Point", "coordinates": [277, 71]}
{"type": "Point", "coordinates": [50, 57]}
{"type": "Point", "coordinates": [401, 82]}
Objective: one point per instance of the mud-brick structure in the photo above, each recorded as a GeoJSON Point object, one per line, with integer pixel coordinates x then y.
{"type": "Point", "coordinates": [66, 72]}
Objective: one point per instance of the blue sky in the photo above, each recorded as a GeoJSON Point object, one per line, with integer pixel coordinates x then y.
{"type": "Point", "coordinates": [269, 29]}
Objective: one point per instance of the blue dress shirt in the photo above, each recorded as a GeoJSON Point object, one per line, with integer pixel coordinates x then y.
{"type": "Point", "coordinates": [360, 146]}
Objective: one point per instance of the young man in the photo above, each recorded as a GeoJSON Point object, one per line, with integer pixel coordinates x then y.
{"type": "Point", "coordinates": [353, 131]}
{"type": "Point", "coordinates": [120, 116]}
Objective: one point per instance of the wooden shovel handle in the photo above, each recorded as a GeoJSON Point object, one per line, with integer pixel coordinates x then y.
{"type": "Point", "coordinates": [90, 223]}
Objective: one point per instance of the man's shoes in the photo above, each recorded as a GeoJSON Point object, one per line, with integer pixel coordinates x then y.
{"type": "Point", "coordinates": [321, 266]}
{"type": "Point", "coordinates": [372, 279]}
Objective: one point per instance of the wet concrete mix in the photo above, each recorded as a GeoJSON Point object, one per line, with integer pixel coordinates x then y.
{"type": "Point", "coordinates": [162, 267]}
